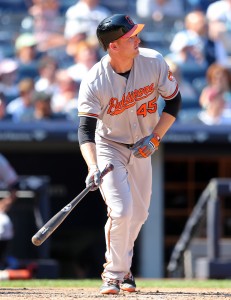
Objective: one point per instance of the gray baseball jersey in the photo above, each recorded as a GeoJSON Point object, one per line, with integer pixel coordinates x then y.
{"type": "Point", "coordinates": [126, 108]}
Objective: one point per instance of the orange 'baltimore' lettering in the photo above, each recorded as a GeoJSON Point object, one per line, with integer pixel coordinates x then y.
{"type": "Point", "coordinates": [116, 107]}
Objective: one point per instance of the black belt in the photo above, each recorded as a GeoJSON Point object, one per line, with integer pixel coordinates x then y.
{"type": "Point", "coordinates": [128, 145]}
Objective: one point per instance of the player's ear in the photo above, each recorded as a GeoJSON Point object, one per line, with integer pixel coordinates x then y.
{"type": "Point", "coordinates": [113, 46]}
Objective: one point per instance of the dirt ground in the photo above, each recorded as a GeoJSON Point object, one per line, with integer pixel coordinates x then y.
{"type": "Point", "coordinates": [92, 293]}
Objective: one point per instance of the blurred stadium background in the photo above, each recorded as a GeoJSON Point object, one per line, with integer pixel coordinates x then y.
{"type": "Point", "coordinates": [47, 157]}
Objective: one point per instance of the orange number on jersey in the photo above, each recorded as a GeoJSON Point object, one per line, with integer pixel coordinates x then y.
{"type": "Point", "coordinates": [142, 110]}
{"type": "Point", "coordinates": [150, 107]}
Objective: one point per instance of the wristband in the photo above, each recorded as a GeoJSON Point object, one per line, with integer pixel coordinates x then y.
{"type": "Point", "coordinates": [156, 140]}
{"type": "Point", "coordinates": [93, 167]}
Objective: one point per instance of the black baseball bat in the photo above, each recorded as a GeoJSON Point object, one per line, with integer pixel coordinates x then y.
{"type": "Point", "coordinates": [58, 218]}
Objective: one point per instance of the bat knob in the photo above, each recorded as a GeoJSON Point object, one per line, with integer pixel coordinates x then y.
{"type": "Point", "coordinates": [36, 241]}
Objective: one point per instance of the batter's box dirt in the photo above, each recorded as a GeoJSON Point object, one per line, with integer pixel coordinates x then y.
{"type": "Point", "coordinates": [93, 294]}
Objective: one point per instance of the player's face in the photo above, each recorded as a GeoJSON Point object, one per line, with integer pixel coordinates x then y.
{"type": "Point", "coordinates": [130, 46]}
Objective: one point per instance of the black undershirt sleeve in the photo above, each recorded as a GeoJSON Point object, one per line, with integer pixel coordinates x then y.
{"type": "Point", "coordinates": [86, 130]}
{"type": "Point", "coordinates": [172, 106]}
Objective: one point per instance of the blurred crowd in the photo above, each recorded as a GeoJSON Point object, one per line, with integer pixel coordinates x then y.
{"type": "Point", "coordinates": [47, 46]}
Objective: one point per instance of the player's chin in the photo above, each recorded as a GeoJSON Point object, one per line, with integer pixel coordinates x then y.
{"type": "Point", "coordinates": [137, 51]}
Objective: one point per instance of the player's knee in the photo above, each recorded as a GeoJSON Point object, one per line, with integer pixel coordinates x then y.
{"type": "Point", "coordinates": [122, 213]}
{"type": "Point", "coordinates": [141, 217]}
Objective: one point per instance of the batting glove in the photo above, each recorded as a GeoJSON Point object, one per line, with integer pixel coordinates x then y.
{"type": "Point", "coordinates": [146, 146]}
{"type": "Point", "coordinates": [93, 177]}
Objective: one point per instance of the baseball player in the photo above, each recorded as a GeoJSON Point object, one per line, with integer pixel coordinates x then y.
{"type": "Point", "coordinates": [119, 124]}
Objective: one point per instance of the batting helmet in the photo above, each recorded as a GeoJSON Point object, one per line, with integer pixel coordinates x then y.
{"type": "Point", "coordinates": [115, 27]}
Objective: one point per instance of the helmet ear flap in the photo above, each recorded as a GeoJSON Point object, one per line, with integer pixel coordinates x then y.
{"type": "Point", "coordinates": [101, 33]}
{"type": "Point", "coordinates": [102, 44]}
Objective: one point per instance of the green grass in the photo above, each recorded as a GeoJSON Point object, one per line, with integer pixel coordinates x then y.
{"type": "Point", "coordinates": [145, 283]}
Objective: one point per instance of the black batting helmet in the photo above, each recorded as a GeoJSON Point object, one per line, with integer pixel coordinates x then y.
{"type": "Point", "coordinates": [115, 27]}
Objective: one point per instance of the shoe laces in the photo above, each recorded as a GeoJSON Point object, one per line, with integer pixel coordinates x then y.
{"type": "Point", "coordinates": [110, 281]}
{"type": "Point", "coordinates": [128, 277]}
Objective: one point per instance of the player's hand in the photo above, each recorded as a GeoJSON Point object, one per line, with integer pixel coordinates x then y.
{"type": "Point", "coordinates": [93, 177]}
{"type": "Point", "coordinates": [146, 146]}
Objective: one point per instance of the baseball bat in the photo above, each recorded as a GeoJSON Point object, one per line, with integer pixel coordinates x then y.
{"type": "Point", "coordinates": [60, 216]}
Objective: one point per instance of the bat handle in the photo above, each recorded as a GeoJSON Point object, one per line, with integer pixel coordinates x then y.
{"type": "Point", "coordinates": [109, 167]}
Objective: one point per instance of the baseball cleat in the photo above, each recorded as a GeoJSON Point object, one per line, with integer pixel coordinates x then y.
{"type": "Point", "coordinates": [128, 285]}
{"type": "Point", "coordinates": [110, 287]}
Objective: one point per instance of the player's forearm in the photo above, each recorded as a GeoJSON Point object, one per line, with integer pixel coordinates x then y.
{"type": "Point", "coordinates": [88, 151]}
{"type": "Point", "coordinates": [165, 122]}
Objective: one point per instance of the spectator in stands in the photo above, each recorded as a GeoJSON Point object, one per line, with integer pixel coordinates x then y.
{"type": "Point", "coordinates": [25, 46]}
{"type": "Point", "coordinates": [45, 22]}
{"type": "Point", "coordinates": [219, 18]}
{"type": "Point", "coordinates": [65, 98]}
{"type": "Point", "coordinates": [198, 4]}
{"type": "Point", "coordinates": [77, 33]}
{"type": "Point", "coordinates": [186, 55]}
{"type": "Point", "coordinates": [159, 9]}
{"type": "Point", "coordinates": [27, 55]}
{"type": "Point", "coordinates": [219, 77]}
{"type": "Point", "coordinates": [47, 68]}
{"type": "Point", "coordinates": [213, 104]}
{"type": "Point", "coordinates": [2, 106]}
{"type": "Point", "coordinates": [8, 78]}
{"type": "Point", "coordinates": [3, 113]}
{"type": "Point", "coordinates": [42, 108]}
{"type": "Point", "coordinates": [22, 109]}
{"type": "Point", "coordinates": [87, 13]}
{"type": "Point", "coordinates": [193, 45]}
{"type": "Point", "coordinates": [9, 181]}
{"type": "Point", "coordinates": [85, 57]}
